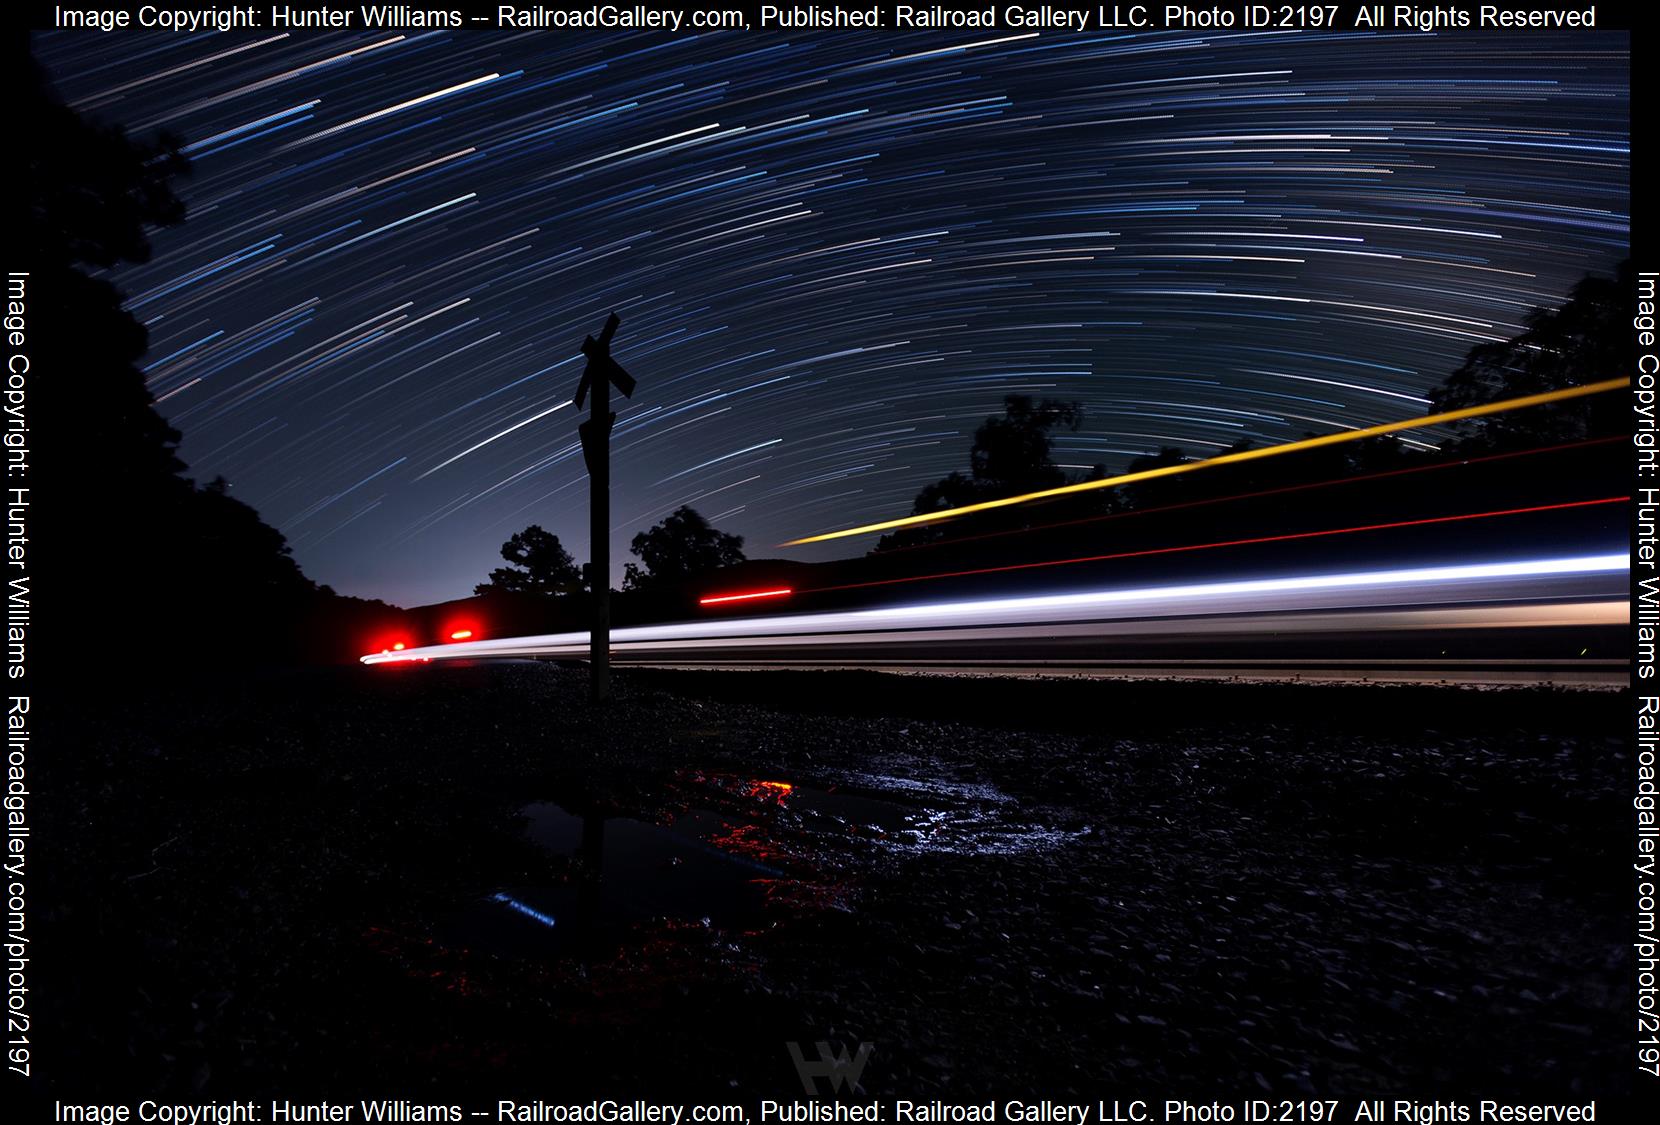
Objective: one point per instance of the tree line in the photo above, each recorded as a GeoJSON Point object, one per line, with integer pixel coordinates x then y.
{"type": "Point", "coordinates": [1012, 453]}
{"type": "Point", "coordinates": [134, 545]}
{"type": "Point", "coordinates": [1579, 342]}
{"type": "Point", "coordinates": [682, 546]}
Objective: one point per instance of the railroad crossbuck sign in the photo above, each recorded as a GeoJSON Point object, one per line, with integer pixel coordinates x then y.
{"type": "Point", "coordinates": [600, 370]}
{"type": "Point", "coordinates": [598, 376]}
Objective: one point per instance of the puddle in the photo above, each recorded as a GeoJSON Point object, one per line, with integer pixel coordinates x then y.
{"type": "Point", "coordinates": [916, 789]}
{"type": "Point", "coordinates": [900, 815]}
{"type": "Point", "coordinates": [624, 872]}
{"type": "Point", "coordinates": [727, 847]}
{"type": "Point", "coordinates": [835, 809]}
{"type": "Point", "coordinates": [857, 811]}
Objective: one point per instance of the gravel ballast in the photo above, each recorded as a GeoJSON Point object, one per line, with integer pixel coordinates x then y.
{"type": "Point", "coordinates": [285, 886]}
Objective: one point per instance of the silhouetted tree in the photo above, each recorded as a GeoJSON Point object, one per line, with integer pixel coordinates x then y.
{"type": "Point", "coordinates": [1159, 491]}
{"type": "Point", "coordinates": [1326, 463]}
{"type": "Point", "coordinates": [236, 550]}
{"type": "Point", "coordinates": [93, 195]}
{"type": "Point", "coordinates": [1583, 341]}
{"type": "Point", "coordinates": [541, 565]}
{"type": "Point", "coordinates": [1011, 455]}
{"type": "Point", "coordinates": [682, 546]}
{"type": "Point", "coordinates": [150, 552]}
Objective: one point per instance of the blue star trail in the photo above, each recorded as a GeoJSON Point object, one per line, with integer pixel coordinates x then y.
{"type": "Point", "coordinates": [833, 255]}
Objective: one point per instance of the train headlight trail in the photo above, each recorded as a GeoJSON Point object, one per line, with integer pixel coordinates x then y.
{"type": "Point", "coordinates": [1226, 459]}
{"type": "Point", "coordinates": [1584, 588]}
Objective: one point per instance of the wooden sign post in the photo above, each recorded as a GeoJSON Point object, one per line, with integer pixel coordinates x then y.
{"type": "Point", "coordinates": [597, 376]}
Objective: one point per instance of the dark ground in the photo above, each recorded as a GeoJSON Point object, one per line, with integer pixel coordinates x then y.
{"type": "Point", "coordinates": [1178, 888]}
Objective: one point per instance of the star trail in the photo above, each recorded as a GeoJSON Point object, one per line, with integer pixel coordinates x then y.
{"type": "Point", "coordinates": [833, 253]}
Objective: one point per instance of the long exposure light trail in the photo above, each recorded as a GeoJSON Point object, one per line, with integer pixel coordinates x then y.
{"type": "Point", "coordinates": [1572, 579]}
{"type": "Point", "coordinates": [1282, 490]}
{"type": "Point", "coordinates": [1427, 420]}
{"type": "Point", "coordinates": [1287, 537]}
{"type": "Point", "coordinates": [755, 595]}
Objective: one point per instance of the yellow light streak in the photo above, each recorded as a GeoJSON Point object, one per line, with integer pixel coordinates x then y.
{"type": "Point", "coordinates": [1226, 459]}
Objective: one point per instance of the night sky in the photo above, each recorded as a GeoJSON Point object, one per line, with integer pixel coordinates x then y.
{"type": "Point", "coordinates": [833, 255]}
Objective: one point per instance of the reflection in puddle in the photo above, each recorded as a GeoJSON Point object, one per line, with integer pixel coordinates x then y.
{"type": "Point", "coordinates": [625, 871]}
{"type": "Point", "coordinates": [793, 846]}
{"type": "Point", "coordinates": [957, 819]}
{"type": "Point", "coordinates": [858, 811]}
{"type": "Point", "coordinates": [833, 810]}
{"type": "Point", "coordinates": [908, 817]}
{"type": "Point", "coordinates": [524, 908]}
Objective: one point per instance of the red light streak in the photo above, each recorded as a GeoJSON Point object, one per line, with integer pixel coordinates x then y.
{"type": "Point", "coordinates": [461, 635]}
{"type": "Point", "coordinates": [718, 599]}
{"type": "Point", "coordinates": [957, 540]}
{"type": "Point", "coordinates": [1163, 471]}
{"type": "Point", "coordinates": [1230, 543]}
